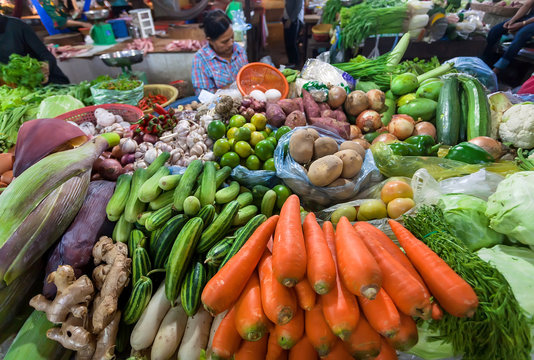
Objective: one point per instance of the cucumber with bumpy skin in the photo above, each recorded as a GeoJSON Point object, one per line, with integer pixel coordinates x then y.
{"type": "Point", "coordinates": [150, 189]}
{"type": "Point", "coordinates": [218, 228]}
{"type": "Point", "coordinates": [268, 202]}
{"type": "Point", "coordinates": [221, 175]}
{"type": "Point", "coordinates": [244, 199]}
{"type": "Point", "coordinates": [138, 301]}
{"type": "Point", "coordinates": [227, 194]}
{"type": "Point", "coordinates": [158, 218]}
{"type": "Point", "coordinates": [192, 287]}
{"type": "Point", "coordinates": [184, 188]}
{"type": "Point", "coordinates": [140, 263]}
{"type": "Point", "coordinates": [161, 246]}
{"type": "Point", "coordinates": [117, 202]}
{"type": "Point", "coordinates": [243, 235]}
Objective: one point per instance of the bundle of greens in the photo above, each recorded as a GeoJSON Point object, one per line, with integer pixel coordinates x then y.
{"type": "Point", "coordinates": [330, 10]}
{"type": "Point", "coordinates": [499, 328]}
{"type": "Point", "coordinates": [22, 71]}
{"type": "Point", "coordinates": [417, 66]}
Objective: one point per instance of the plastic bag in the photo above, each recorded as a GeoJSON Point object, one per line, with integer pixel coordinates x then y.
{"type": "Point", "coordinates": [104, 96]}
{"type": "Point", "coordinates": [294, 176]}
{"type": "Point", "coordinates": [317, 90]}
{"type": "Point", "coordinates": [478, 68]}
{"type": "Point", "coordinates": [327, 74]}
{"type": "Point", "coordinates": [250, 178]}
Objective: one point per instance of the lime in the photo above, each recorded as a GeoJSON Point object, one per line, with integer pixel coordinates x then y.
{"type": "Point", "coordinates": [256, 137]}
{"type": "Point", "coordinates": [272, 139]}
{"type": "Point", "coordinates": [232, 142]}
{"type": "Point", "coordinates": [216, 129]}
{"type": "Point", "coordinates": [282, 193]}
{"type": "Point", "coordinates": [249, 126]}
{"type": "Point", "coordinates": [269, 130]}
{"type": "Point", "coordinates": [221, 147]}
{"type": "Point", "coordinates": [217, 166]}
{"type": "Point", "coordinates": [264, 149]}
{"type": "Point", "coordinates": [229, 159]}
{"type": "Point", "coordinates": [269, 165]}
{"type": "Point", "coordinates": [243, 133]}
{"type": "Point", "coordinates": [231, 133]}
{"type": "Point", "coordinates": [265, 134]}
{"type": "Point", "coordinates": [253, 163]}
{"type": "Point", "coordinates": [237, 121]}
{"type": "Point", "coordinates": [259, 121]}
{"type": "Point", "coordinates": [242, 148]}
{"type": "Point", "coordinates": [281, 131]}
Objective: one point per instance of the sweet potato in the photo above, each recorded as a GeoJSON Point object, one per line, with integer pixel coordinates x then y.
{"type": "Point", "coordinates": [324, 106]}
{"type": "Point", "coordinates": [296, 118]}
{"type": "Point", "coordinates": [288, 105]}
{"type": "Point", "coordinates": [275, 115]}
{"type": "Point", "coordinates": [339, 115]}
{"type": "Point", "coordinates": [328, 114]}
{"type": "Point", "coordinates": [311, 108]}
{"type": "Point", "coordinates": [341, 128]}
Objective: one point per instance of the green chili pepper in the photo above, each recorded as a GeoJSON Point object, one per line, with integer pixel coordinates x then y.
{"type": "Point", "coordinates": [469, 153]}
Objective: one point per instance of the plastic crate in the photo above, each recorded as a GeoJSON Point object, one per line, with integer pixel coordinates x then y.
{"type": "Point", "coordinates": [87, 114]}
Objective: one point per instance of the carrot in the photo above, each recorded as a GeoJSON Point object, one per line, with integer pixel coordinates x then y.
{"type": "Point", "coordinates": [223, 289]}
{"type": "Point", "coordinates": [226, 339]}
{"type": "Point", "coordinates": [407, 336]}
{"type": "Point", "coordinates": [340, 308]}
{"type": "Point", "coordinates": [250, 321]}
{"type": "Point", "coordinates": [357, 267]}
{"type": "Point", "coordinates": [386, 351]}
{"type": "Point", "coordinates": [453, 293]}
{"type": "Point", "coordinates": [289, 251]}
{"type": "Point", "coordinates": [364, 342]}
{"type": "Point", "coordinates": [381, 314]}
{"type": "Point", "coordinates": [305, 295]}
{"type": "Point", "coordinates": [339, 352]}
{"type": "Point", "coordinates": [407, 293]}
{"type": "Point", "coordinates": [289, 334]}
{"type": "Point", "coordinates": [279, 302]}
{"type": "Point", "coordinates": [303, 350]}
{"type": "Point", "coordinates": [321, 269]}
{"type": "Point", "coordinates": [274, 351]}
{"type": "Point", "coordinates": [437, 313]}
{"type": "Point", "coordinates": [252, 350]}
{"type": "Point", "coordinates": [318, 331]}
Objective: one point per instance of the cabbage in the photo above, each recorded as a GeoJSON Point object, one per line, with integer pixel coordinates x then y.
{"type": "Point", "coordinates": [511, 207]}
{"type": "Point", "coordinates": [57, 105]}
{"type": "Point", "coordinates": [429, 349]}
{"type": "Point", "coordinates": [466, 216]}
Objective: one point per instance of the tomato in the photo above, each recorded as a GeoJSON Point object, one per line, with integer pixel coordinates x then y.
{"type": "Point", "coordinates": [221, 147]}
{"type": "Point", "coordinates": [259, 121]}
{"type": "Point", "coordinates": [237, 121]}
{"type": "Point", "coordinates": [372, 209]}
{"type": "Point", "coordinates": [281, 131]}
{"type": "Point", "coordinates": [216, 129]}
{"type": "Point", "coordinates": [256, 137]}
{"type": "Point", "coordinates": [230, 159]}
{"type": "Point", "coordinates": [253, 163]}
{"type": "Point", "coordinates": [282, 193]}
{"type": "Point", "coordinates": [243, 133]}
{"type": "Point", "coordinates": [243, 149]}
{"type": "Point", "coordinates": [232, 132]}
{"type": "Point", "coordinates": [269, 165]}
{"type": "Point", "coordinates": [399, 206]}
{"type": "Point", "coordinates": [395, 189]}
{"type": "Point", "coordinates": [249, 126]}
{"type": "Point", "coordinates": [264, 150]}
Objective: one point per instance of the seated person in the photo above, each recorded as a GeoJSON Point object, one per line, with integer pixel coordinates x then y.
{"type": "Point", "coordinates": [216, 65]}
{"type": "Point", "coordinates": [59, 13]}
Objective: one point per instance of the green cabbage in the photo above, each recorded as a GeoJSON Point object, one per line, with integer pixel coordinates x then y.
{"type": "Point", "coordinates": [466, 216]}
{"type": "Point", "coordinates": [57, 105]}
{"type": "Point", "coordinates": [429, 349]}
{"type": "Point", "coordinates": [511, 207]}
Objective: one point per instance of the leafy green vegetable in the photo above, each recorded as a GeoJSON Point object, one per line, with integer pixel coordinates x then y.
{"type": "Point", "coordinates": [120, 84]}
{"type": "Point", "coordinates": [58, 104]}
{"type": "Point", "coordinates": [330, 10]}
{"type": "Point", "coordinates": [22, 71]}
{"type": "Point", "coordinates": [417, 66]}
{"type": "Point", "coordinates": [428, 347]}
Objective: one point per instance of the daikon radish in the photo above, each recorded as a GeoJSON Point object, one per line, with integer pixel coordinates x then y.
{"type": "Point", "coordinates": [197, 333]}
{"type": "Point", "coordinates": [169, 334]}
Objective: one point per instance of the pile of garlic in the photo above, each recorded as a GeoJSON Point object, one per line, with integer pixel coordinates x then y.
{"type": "Point", "coordinates": [105, 122]}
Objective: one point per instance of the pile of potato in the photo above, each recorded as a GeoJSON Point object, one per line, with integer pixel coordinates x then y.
{"type": "Point", "coordinates": [326, 163]}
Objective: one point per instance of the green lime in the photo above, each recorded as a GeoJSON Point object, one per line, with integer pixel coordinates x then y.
{"type": "Point", "coordinates": [259, 121]}
{"type": "Point", "coordinates": [253, 163]}
{"type": "Point", "coordinates": [265, 134]}
{"type": "Point", "coordinates": [281, 131]}
{"type": "Point", "coordinates": [243, 133]}
{"type": "Point", "coordinates": [242, 148]}
{"type": "Point", "coordinates": [217, 166]}
{"type": "Point", "coordinates": [256, 137]}
{"type": "Point", "coordinates": [264, 149]}
{"type": "Point", "coordinates": [229, 159]}
{"type": "Point", "coordinates": [249, 126]}
{"type": "Point", "coordinates": [232, 132]}
{"type": "Point", "coordinates": [216, 129]}
{"type": "Point", "coordinates": [232, 142]}
{"type": "Point", "coordinates": [269, 165]}
{"type": "Point", "coordinates": [237, 121]}
{"type": "Point", "coordinates": [272, 139]}
{"type": "Point", "coordinates": [221, 147]}
{"type": "Point", "coordinates": [282, 193]}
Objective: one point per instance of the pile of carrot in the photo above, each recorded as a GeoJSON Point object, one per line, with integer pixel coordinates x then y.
{"type": "Point", "coordinates": [299, 291]}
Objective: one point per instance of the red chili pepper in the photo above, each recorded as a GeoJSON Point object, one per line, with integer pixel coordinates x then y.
{"type": "Point", "coordinates": [160, 110]}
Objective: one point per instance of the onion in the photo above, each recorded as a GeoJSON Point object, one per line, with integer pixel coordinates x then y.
{"type": "Point", "coordinates": [150, 138]}
{"type": "Point", "coordinates": [116, 152]}
{"type": "Point", "coordinates": [401, 126]}
{"type": "Point", "coordinates": [386, 138]}
{"type": "Point", "coordinates": [364, 143]}
{"type": "Point", "coordinates": [246, 102]}
{"type": "Point", "coordinates": [492, 146]}
{"type": "Point", "coordinates": [127, 159]}
{"type": "Point", "coordinates": [376, 99]}
{"type": "Point", "coordinates": [138, 138]}
{"type": "Point", "coordinates": [249, 113]}
{"type": "Point", "coordinates": [106, 154]}
{"type": "Point", "coordinates": [425, 128]}
{"type": "Point", "coordinates": [336, 96]}
{"type": "Point", "coordinates": [355, 132]}
{"type": "Point", "coordinates": [368, 121]}
{"type": "Point", "coordinates": [128, 168]}
{"type": "Point", "coordinates": [110, 169]}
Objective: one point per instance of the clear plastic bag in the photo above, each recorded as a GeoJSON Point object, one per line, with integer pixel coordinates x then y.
{"type": "Point", "coordinates": [325, 73]}
{"type": "Point", "coordinates": [294, 176]}
{"type": "Point", "coordinates": [105, 96]}
{"type": "Point", "coordinates": [478, 68]}
{"type": "Point", "coordinates": [250, 178]}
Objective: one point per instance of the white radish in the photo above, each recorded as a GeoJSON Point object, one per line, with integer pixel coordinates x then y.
{"type": "Point", "coordinates": [146, 328]}
{"type": "Point", "coordinates": [214, 325]}
{"type": "Point", "coordinates": [169, 334]}
{"type": "Point", "coordinates": [197, 332]}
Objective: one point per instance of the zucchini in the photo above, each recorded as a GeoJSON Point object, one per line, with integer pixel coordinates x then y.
{"type": "Point", "coordinates": [192, 286]}
{"type": "Point", "coordinates": [136, 238]}
{"type": "Point", "coordinates": [121, 231]}
{"type": "Point", "coordinates": [227, 194]}
{"type": "Point", "coordinates": [218, 228]}
{"type": "Point", "coordinates": [169, 182]}
{"type": "Point", "coordinates": [268, 202]}
{"type": "Point", "coordinates": [448, 112]}
{"type": "Point", "coordinates": [141, 219]}
{"type": "Point", "coordinates": [186, 184]}
{"type": "Point", "coordinates": [208, 187]}
{"type": "Point", "coordinates": [465, 114]}
{"type": "Point", "coordinates": [134, 206]}
{"type": "Point", "coordinates": [158, 218]}
{"type": "Point", "coordinates": [157, 163]}
{"type": "Point", "coordinates": [221, 175]}
{"type": "Point", "coordinates": [216, 254]}
{"type": "Point", "coordinates": [191, 206]}
{"type": "Point", "coordinates": [244, 215]}
{"type": "Point", "coordinates": [139, 298]}
{"type": "Point", "coordinates": [140, 264]}
{"type": "Point", "coordinates": [164, 199]}
{"type": "Point", "coordinates": [180, 257]}
{"type": "Point", "coordinates": [243, 235]}
{"type": "Point", "coordinates": [244, 199]}
{"type": "Point", "coordinates": [116, 204]}
{"type": "Point", "coordinates": [207, 213]}
{"type": "Point", "coordinates": [479, 116]}
{"type": "Point", "coordinates": [150, 189]}
{"type": "Point", "coordinates": [161, 247]}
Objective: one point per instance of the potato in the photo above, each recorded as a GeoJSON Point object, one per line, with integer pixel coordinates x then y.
{"type": "Point", "coordinates": [325, 170]}
{"type": "Point", "coordinates": [314, 134]}
{"type": "Point", "coordinates": [301, 146]}
{"type": "Point", "coordinates": [339, 182]}
{"type": "Point", "coordinates": [352, 163]}
{"type": "Point", "coordinates": [324, 146]}
{"type": "Point", "coordinates": [352, 145]}
{"type": "Point", "coordinates": [356, 102]}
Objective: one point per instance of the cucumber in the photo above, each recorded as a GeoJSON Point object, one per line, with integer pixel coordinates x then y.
{"type": "Point", "coordinates": [218, 228]}
{"type": "Point", "coordinates": [479, 116]}
{"type": "Point", "coordinates": [166, 198]}
{"type": "Point", "coordinates": [117, 202]}
{"type": "Point", "coordinates": [169, 182]}
{"type": "Point", "coordinates": [208, 187]}
{"type": "Point", "coordinates": [207, 213]}
{"type": "Point", "coordinates": [243, 236]}
{"type": "Point", "coordinates": [221, 175]}
{"type": "Point", "coordinates": [228, 193]}
{"type": "Point", "coordinates": [140, 264]}
{"type": "Point", "coordinates": [186, 184]}
{"type": "Point", "coordinates": [448, 112]}
{"type": "Point", "coordinates": [158, 218]}
{"type": "Point", "coordinates": [121, 231]}
{"type": "Point", "coordinates": [244, 199]}
{"type": "Point", "coordinates": [244, 215]}
{"type": "Point", "coordinates": [133, 205]}
{"type": "Point", "coordinates": [150, 189]}
{"type": "Point", "coordinates": [141, 219]}
{"type": "Point", "coordinates": [191, 206]}
{"type": "Point", "coordinates": [462, 136]}
{"type": "Point", "coordinates": [157, 163]}
{"type": "Point", "coordinates": [152, 244]}
{"type": "Point", "coordinates": [192, 286]}
{"type": "Point", "coordinates": [138, 301]}
{"type": "Point", "coordinates": [136, 238]}
{"type": "Point", "coordinates": [215, 256]}
{"type": "Point", "coordinates": [161, 247]}
{"type": "Point", "coordinates": [268, 202]}
{"type": "Point", "coordinates": [211, 271]}
{"type": "Point", "coordinates": [258, 191]}
{"type": "Point", "coordinates": [180, 257]}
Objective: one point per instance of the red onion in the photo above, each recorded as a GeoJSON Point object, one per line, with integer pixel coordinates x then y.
{"type": "Point", "coordinates": [127, 159]}
{"type": "Point", "coordinates": [249, 113]}
{"type": "Point", "coordinates": [425, 128]}
{"type": "Point", "coordinates": [110, 169]}
{"type": "Point", "coordinates": [116, 152]}
{"type": "Point", "coordinates": [150, 138]}
{"type": "Point", "coordinates": [368, 121]}
{"type": "Point", "coordinates": [386, 138]}
{"type": "Point", "coordinates": [376, 99]}
{"type": "Point", "coordinates": [246, 102]}
{"type": "Point", "coordinates": [355, 132]}
{"type": "Point", "coordinates": [128, 168]}
{"type": "Point", "coordinates": [138, 138]}
{"type": "Point", "coordinates": [106, 154]}
{"type": "Point", "coordinates": [96, 176]}
{"type": "Point", "coordinates": [401, 126]}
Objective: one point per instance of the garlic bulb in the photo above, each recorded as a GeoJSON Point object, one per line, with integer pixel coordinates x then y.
{"type": "Point", "coordinates": [209, 156]}
{"type": "Point", "coordinates": [88, 128]}
{"type": "Point", "coordinates": [140, 164]}
{"type": "Point", "coordinates": [128, 145]}
{"type": "Point", "coordinates": [198, 149]}
{"type": "Point", "coordinates": [124, 124]}
{"type": "Point", "coordinates": [104, 118]}
{"type": "Point", "coordinates": [160, 145]}
{"type": "Point", "coordinates": [151, 155]}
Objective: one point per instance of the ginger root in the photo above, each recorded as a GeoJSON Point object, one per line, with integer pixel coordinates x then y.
{"type": "Point", "coordinates": [105, 343]}
{"type": "Point", "coordinates": [72, 335]}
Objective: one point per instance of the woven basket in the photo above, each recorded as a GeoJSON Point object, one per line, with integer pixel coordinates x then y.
{"type": "Point", "coordinates": [170, 92]}
{"type": "Point", "coordinates": [505, 11]}
{"type": "Point", "coordinates": [87, 114]}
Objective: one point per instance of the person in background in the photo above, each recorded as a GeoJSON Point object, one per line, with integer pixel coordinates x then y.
{"type": "Point", "coordinates": [216, 65]}
{"type": "Point", "coordinates": [521, 25]}
{"type": "Point", "coordinates": [293, 20]}
{"type": "Point", "coordinates": [59, 13]}
{"type": "Point", "coordinates": [17, 37]}
{"type": "Point", "coordinates": [118, 7]}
